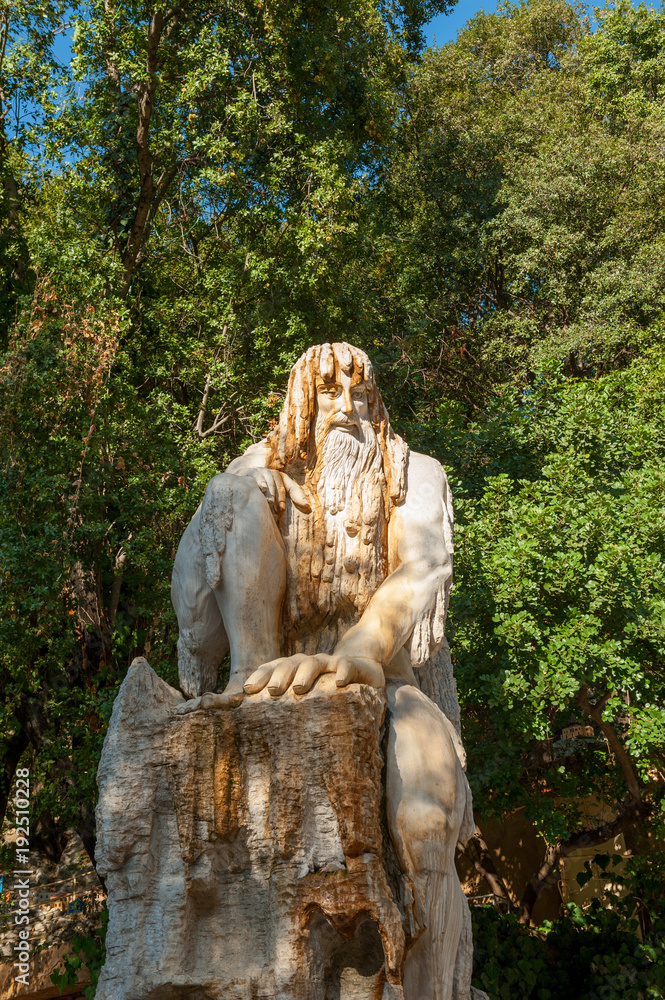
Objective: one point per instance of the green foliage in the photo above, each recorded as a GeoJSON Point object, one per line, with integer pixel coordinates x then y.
{"type": "Point", "coordinates": [524, 193]}
{"type": "Point", "coordinates": [28, 71]}
{"type": "Point", "coordinates": [560, 585]}
{"type": "Point", "coordinates": [608, 951]}
{"type": "Point", "coordinates": [207, 190]}
{"type": "Point", "coordinates": [635, 889]}
{"type": "Point", "coordinates": [589, 955]}
{"type": "Point", "coordinates": [86, 951]}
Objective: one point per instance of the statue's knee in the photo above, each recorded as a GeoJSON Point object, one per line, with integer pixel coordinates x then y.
{"type": "Point", "coordinates": [428, 836]}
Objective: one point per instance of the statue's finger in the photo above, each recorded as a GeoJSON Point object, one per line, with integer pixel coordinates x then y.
{"type": "Point", "coordinates": [258, 680]}
{"type": "Point", "coordinates": [281, 678]}
{"type": "Point", "coordinates": [233, 694]}
{"type": "Point", "coordinates": [345, 672]}
{"type": "Point", "coordinates": [355, 671]}
{"type": "Point", "coordinates": [308, 671]}
{"type": "Point", "coordinates": [222, 700]}
{"type": "Point", "coordinates": [297, 494]}
{"type": "Point", "coordinates": [280, 489]}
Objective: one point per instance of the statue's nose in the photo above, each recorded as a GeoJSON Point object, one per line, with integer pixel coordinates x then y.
{"type": "Point", "coordinates": [347, 402]}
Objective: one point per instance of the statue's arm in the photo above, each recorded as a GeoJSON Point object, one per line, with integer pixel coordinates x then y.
{"type": "Point", "coordinates": [422, 570]}
{"type": "Point", "coordinates": [418, 548]}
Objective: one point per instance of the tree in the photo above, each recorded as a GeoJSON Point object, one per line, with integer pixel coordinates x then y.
{"type": "Point", "coordinates": [523, 196]}
{"type": "Point", "coordinates": [518, 265]}
{"type": "Point", "coordinates": [182, 245]}
{"type": "Point", "coordinates": [559, 610]}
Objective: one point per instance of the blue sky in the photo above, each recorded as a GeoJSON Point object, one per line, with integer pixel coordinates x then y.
{"type": "Point", "coordinates": [444, 28]}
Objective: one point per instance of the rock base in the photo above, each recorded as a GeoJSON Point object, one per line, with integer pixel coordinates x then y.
{"type": "Point", "coordinates": [246, 853]}
{"type": "Point", "coordinates": [243, 850]}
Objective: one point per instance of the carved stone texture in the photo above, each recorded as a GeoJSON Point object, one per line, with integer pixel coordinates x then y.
{"type": "Point", "coordinates": [277, 839]}
{"type": "Point", "coordinates": [244, 851]}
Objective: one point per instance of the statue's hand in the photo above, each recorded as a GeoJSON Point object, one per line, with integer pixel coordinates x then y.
{"type": "Point", "coordinates": [275, 485]}
{"type": "Point", "coordinates": [300, 671]}
{"type": "Point", "coordinates": [193, 705]}
{"type": "Point", "coordinates": [230, 697]}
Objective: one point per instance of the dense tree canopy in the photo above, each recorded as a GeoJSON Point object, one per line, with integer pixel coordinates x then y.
{"type": "Point", "coordinates": [207, 189]}
{"type": "Point", "coordinates": [524, 284]}
{"type": "Point", "coordinates": [179, 199]}
{"type": "Point", "coordinates": [527, 187]}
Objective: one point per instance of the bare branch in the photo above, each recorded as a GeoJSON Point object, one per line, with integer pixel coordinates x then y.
{"type": "Point", "coordinates": [206, 393]}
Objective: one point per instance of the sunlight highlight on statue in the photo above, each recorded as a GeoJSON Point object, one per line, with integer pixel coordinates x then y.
{"type": "Point", "coordinates": [298, 827]}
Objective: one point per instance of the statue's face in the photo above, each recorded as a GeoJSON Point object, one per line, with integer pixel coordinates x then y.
{"type": "Point", "coordinates": [342, 404]}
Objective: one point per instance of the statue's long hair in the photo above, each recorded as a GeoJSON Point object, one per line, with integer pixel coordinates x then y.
{"type": "Point", "coordinates": [293, 442]}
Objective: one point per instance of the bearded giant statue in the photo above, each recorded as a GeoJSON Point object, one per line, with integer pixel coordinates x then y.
{"type": "Point", "coordinates": [317, 800]}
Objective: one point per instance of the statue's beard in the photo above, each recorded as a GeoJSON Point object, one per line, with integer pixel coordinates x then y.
{"type": "Point", "coordinates": [337, 555]}
{"type": "Point", "coordinates": [342, 463]}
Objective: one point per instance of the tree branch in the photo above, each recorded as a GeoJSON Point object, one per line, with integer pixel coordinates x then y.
{"type": "Point", "coordinates": [4, 21]}
{"type": "Point", "coordinates": [595, 712]}
{"type": "Point", "coordinates": [111, 68]}
{"type": "Point", "coordinates": [144, 156]}
{"type": "Point", "coordinates": [478, 853]}
{"type": "Point", "coordinates": [631, 812]}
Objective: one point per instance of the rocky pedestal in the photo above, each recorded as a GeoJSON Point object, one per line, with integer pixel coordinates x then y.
{"type": "Point", "coordinates": [244, 852]}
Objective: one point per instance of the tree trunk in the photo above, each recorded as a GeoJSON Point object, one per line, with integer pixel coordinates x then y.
{"type": "Point", "coordinates": [144, 207]}
{"type": "Point", "coordinates": [631, 813]}
{"type": "Point", "coordinates": [595, 712]}
{"type": "Point", "coordinates": [47, 837]}
{"type": "Point", "coordinates": [34, 723]}
{"type": "Point", "coordinates": [14, 749]}
{"type": "Point", "coordinates": [479, 855]}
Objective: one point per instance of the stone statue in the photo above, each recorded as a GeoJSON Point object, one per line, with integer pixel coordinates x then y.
{"type": "Point", "coordinates": [351, 554]}
{"type": "Point", "coordinates": [325, 549]}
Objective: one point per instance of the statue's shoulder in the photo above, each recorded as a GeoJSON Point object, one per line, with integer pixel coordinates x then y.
{"type": "Point", "coordinates": [257, 456]}
{"type": "Point", "coordinates": [425, 471]}
{"type": "Point", "coordinates": [428, 496]}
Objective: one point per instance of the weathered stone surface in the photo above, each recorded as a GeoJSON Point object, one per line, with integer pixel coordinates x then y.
{"type": "Point", "coordinates": [248, 860]}
{"type": "Point", "coordinates": [255, 843]}
{"type": "Point", "coordinates": [127, 775]}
